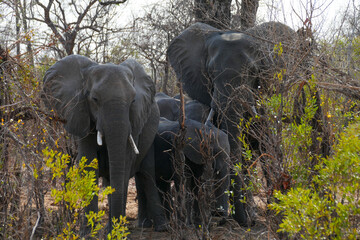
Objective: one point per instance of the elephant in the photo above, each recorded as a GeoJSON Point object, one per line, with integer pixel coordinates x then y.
{"type": "Point", "coordinates": [170, 108]}
{"type": "Point", "coordinates": [225, 70]}
{"type": "Point", "coordinates": [197, 136]}
{"type": "Point", "coordinates": [186, 98]}
{"type": "Point", "coordinates": [161, 95]}
{"type": "Point", "coordinates": [111, 111]}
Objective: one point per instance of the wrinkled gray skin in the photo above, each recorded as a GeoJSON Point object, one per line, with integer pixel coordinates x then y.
{"type": "Point", "coordinates": [170, 108]}
{"type": "Point", "coordinates": [224, 70]}
{"type": "Point", "coordinates": [117, 101]}
{"type": "Point", "coordinates": [220, 151]}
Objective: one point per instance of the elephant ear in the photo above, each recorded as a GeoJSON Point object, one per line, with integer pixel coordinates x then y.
{"type": "Point", "coordinates": [63, 93]}
{"type": "Point", "coordinates": [187, 55]}
{"type": "Point", "coordinates": [145, 96]}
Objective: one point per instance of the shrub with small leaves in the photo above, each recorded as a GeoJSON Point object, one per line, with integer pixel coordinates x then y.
{"type": "Point", "coordinates": [119, 231]}
{"type": "Point", "coordinates": [78, 186]}
{"type": "Point", "coordinates": [330, 206]}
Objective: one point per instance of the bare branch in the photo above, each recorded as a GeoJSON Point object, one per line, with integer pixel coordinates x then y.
{"type": "Point", "coordinates": [111, 2]}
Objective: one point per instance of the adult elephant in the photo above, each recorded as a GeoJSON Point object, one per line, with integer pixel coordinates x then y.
{"type": "Point", "coordinates": [225, 70]}
{"type": "Point", "coordinates": [170, 108]}
{"type": "Point", "coordinates": [203, 145]}
{"type": "Point", "coordinates": [112, 112]}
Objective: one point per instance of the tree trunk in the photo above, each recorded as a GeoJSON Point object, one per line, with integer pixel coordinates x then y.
{"type": "Point", "coordinates": [6, 192]}
{"type": "Point", "coordinates": [29, 50]}
{"type": "Point", "coordinates": [248, 13]}
{"type": "Point", "coordinates": [17, 27]}
{"type": "Point", "coordinates": [166, 78]}
{"type": "Point", "coordinates": [213, 12]}
{"type": "Point", "coordinates": [153, 72]}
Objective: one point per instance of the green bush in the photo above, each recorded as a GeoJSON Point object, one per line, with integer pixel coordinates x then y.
{"type": "Point", "coordinates": [330, 206]}
{"type": "Point", "coordinates": [78, 186]}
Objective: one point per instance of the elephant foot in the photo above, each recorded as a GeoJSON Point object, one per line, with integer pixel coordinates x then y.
{"type": "Point", "coordinates": [219, 213]}
{"type": "Point", "coordinates": [248, 218]}
{"type": "Point", "coordinates": [222, 221]}
{"type": "Point", "coordinates": [197, 223]}
{"type": "Point", "coordinates": [252, 216]}
{"type": "Point", "coordinates": [107, 228]}
{"type": "Point", "coordinates": [161, 228]}
{"type": "Point", "coordinates": [145, 223]}
{"type": "Point", "coordinates": [161, 224]}
{"type": "Point", "coordinates": [85, 230]}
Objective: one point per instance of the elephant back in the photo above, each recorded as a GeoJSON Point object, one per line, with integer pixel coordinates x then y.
{"type": "Point", "coordinates": [202, 140]}
{"type": "Point", "coordinates": [197, 111]}
{"type": "Point", "coordinates": [63, 93]}
{"type": "Point", "coordinates": [161, 95]}
{"type": "Point", "coordinates": [169, 108]}
{"type": "Point", "coordinates": [198, 137]}
{"type": "Point", "coordinates": [269, 34]}
{"type": "Point", "coordinates": [273, 32]}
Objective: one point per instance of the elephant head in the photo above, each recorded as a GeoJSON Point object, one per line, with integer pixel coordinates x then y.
{"type": "Point", "coordinates": [218, 67]}
{"type": "Point", "coordinates": [226, 69]}
{"type": "Point", "coordinates": [169, 108]}
{"type": "Point", "coordinates": [109, 105]}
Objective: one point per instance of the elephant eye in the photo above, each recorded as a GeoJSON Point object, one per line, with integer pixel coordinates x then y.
{"type": "Point", "coordinates": [95, 99]}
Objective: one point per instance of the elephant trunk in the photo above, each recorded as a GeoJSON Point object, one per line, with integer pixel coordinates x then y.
{"type": "Point", "coordinates": [117, 132]}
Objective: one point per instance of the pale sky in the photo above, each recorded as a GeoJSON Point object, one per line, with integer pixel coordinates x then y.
{"type": "Point", "coordinates": [325, 14]}
{"type": "Point", "coordinates": [290, 12]}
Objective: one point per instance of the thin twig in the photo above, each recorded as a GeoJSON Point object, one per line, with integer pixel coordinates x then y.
{"type": "Point", "coordinates": [262, 155]}
{"type": "Point", "coordinates": [35, 227]}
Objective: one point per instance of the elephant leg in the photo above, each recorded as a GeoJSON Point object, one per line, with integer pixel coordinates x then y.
{"type": "Point", "coordinates": [179, 191]}
{"type": "Point", "coordinates": [143, 218]}
{"type": "Point", "coordinates": [222, 185]}
{"type": "Point", "coordinates": [145, 179]}
{"type": "Point", "coordinates": [189, 193]}
{"type": "Point", "coordinates": [87, 147]}
{"type": "Point", "coordinates": [194, 173]}
{"type": "Point", "coordinates": [195, 213]}
{"type": "Point", "coordinates": [237, 200]}
{"type": "Point", "coordinates": [165, 195]}
{"type": "Point", "coordinates": [108, 226]}
{"type": "Point", "coordinates": [222, 198]}
{"type": "Point", "coordinates": [190, 199]}
{"type": "Point", "coordinates": [242, 198]}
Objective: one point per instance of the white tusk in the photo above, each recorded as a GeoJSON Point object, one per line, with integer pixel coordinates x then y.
{"type": "Point", "coordinates": [99, 138]}
{"type": "Point", "coordinates": [132, 143]}
{"type": "Point", "coordinates": [211, 115]}
{"type": "Point", "coordinates": [254, 110]}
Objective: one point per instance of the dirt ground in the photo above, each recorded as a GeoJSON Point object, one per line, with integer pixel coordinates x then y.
{"type": "Point", "coordinates": [220, 230]}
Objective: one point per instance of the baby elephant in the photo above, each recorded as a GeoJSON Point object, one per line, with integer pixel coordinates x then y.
{"type": "Point", "coordinates": [170, 108]}
{"type": "Point", "coordinates": [202, 144]}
